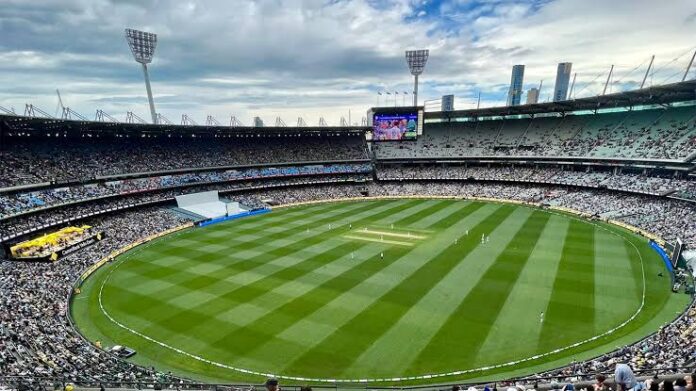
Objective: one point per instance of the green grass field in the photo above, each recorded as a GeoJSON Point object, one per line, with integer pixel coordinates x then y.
{"type": "Point", "coordinates": [299, 293]}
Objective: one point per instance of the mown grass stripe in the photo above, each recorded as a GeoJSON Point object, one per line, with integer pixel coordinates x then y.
{"type": "Point", "coordinates": [248, 290]}
{"type": "Point", "coordinates": [196, 340]}
{"type": "Point", "coordinates": [572, 298]}
{"type": "Point", "coordinates": [193, 283]}
{"type": "Point", "coordinates": [528, 299]}
{"type": "Point", "coordinates": [295, 243]}
{"type": "Point", "coordinates": [493, 289]}
{"type": "Point", "coordinates": [189, 322]}
{"type": "Point", "coordinates": [296, 235]}
{"type": "Point", "coordinates": [194, 244]}
{"type": "Point", "coordinates": [356, 335]}
{"type": "Point", "coordinates": [284, 293]}
{"type": "Point", "coordinates": [615, 293]}
{"type": "Point", "coordinates": [435, 217]}
{"type": "Point", "coordinates": [383, 208]}
{"type": "Point", "coordinates": [304, 307]}
{"type": "Point", "coordinates": [636, 269]}
{"type": "Point", "coordinates": [430, 210]}
{"type": "Point", "coordinates": [177, 273]}
{"type": "Point", "coordinates": [290, 223]}
{"type": "Point", "coordinates": [252, 224]}
{"type": "Point", "coordinates": [172, 273]}
{"type": "Point", "coordinates": [244, 293]}
{"type": "Point", "coordinates": [229, 251]}
{"type": "Point", "coordinates": [388, 354]}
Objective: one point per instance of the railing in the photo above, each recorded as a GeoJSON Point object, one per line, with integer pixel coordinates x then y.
{"type": "Point", "coordinates": [146, 174]}
{"type": "Point", "coordinates": [332, 180]}
{"type": "Point", "coordinates": [109, 193]}
{"type": "Point", "coordinates": [537, 382]}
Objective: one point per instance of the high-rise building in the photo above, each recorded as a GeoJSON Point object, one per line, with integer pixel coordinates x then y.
{"type": "Point", "coordinates": [447, 103]}
{"type": "Point", "coordinates": [258, 122]}
{"type": "Point", "coordinates": [560, 90]}
{"type": "Point", "coordinates": [516, 83]}
{"type": "Point", "coordinates": [533, 96]}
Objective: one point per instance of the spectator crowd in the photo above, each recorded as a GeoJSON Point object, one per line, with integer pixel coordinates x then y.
{"type": "Point", "coordinates": [623, 180]}
{"type": "Point", "coordinates": [656, 134]}
{"type": "Point", "coordinates": [45, 218]}
{"type": "Point", "coordinates": [14, 203]}
{"type": "Point", "coordinates": [58, 160]}
{"type": "Point", "coordinates": [37, 340]}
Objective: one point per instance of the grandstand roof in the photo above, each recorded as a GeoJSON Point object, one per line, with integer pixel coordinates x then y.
{"type": "Point", "coordinates": [41, 125]}
{"type": "Point", "coordinates": [663, 94]}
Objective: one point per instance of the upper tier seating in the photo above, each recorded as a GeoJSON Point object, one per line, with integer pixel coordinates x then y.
{"type": "Point", "coordinates": [30, 161]}
{"type": "Point", "coordinates": [668, 134]}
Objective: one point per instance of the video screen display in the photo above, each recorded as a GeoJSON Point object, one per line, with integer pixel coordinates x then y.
{"type": "Point", "coordinates": [395, 127]}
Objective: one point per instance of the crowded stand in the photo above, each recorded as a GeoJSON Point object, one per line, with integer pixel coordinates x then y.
{"type": "Point", "coordinates": [41, 342]}
{"type": "Point", "coordinates": [27, 223]}
{"type": "Point", "coordinates": [654, 134]}
{"type": "Point", "coordinates": [35, 344]}
{"type": "Point", "coordinates": [11, 204]}
{"type": "Point", "coordinates": [36, 338]}
{"type": "Point", "coordinates": [16, 203]}
{"type": "Point", "coordinates": [673, 346]}
{"type": "Point", "coordinates": [49, 245]}
{"type": "Point", "coordinates": [623, 180]}
{"type": "Point", "coordinates": [26, 161]}
{"type": "Point", "coordinates": [668, 219]}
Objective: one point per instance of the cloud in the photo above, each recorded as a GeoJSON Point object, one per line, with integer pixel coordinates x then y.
{"type": "Point", "coordinates": [322, 58]}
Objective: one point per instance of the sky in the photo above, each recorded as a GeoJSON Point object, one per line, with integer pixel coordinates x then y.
{"type": "Point", "coordinates": [326, 58]}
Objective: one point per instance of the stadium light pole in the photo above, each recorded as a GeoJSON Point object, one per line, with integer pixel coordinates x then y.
{"type": "Point", "coordinates": [416, 60]}
{"type": "Point", "coordinates": [142, 44]}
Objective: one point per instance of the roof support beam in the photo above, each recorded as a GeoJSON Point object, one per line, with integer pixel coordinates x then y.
{"type": "Point", "coordinates": [647, 72]}
{"type": "Point", "coordinates": [608, 78]}
{"type": "Point", "coordinates": [688, 67]}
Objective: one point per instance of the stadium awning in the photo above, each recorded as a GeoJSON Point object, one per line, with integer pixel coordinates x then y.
{"type": "Point", "coordinates": [663, 94]}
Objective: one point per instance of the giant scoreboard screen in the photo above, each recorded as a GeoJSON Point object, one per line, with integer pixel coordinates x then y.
{"type": "Point", "coordinates": [396, 123]}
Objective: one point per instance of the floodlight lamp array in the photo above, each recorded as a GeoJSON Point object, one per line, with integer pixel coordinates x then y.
{"type": "Point", "coordinates": [416, 60]}
{"type": "Point", "coordinates": [142, 44]}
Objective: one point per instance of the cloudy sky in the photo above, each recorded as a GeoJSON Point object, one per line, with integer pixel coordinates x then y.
{"type": "Point", "coordinates": [317, 58]}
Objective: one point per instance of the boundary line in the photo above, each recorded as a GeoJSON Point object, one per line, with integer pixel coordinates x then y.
{"type": "Point", "coordinates": [395, 379]}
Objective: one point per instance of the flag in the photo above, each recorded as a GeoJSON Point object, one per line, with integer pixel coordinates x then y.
{"type": "Point", "coordinates": [379, 93]}
{"type": "Point", "coordinates": [396, 92]}
{"type": "Point", "coordinates": [388, 93]}
{"type": "Point", "coordinates": [405, 93]}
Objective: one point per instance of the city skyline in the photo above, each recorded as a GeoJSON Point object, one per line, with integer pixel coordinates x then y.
{"type": "Point", "coordinates": [560, 87]}
{"type": "Point", "coordinates": [516, 85]}
{"type": "Point", "coordinates": [532, 96]}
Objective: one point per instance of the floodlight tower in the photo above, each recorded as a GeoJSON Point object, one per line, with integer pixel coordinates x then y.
{"type": "Point", "coordinates": [142, 45]}
{"type": "Point", "coordinates": [416, 60]}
